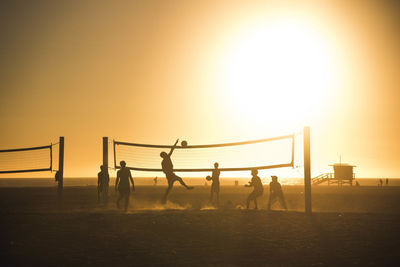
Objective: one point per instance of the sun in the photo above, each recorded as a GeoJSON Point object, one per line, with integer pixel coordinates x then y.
{"type": "Point", "coordinates": [281, 71]}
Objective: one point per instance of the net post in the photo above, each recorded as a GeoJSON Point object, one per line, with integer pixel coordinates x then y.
{"type": "Point", "coordinates": [105, 152]}
{"type": "Point", "coordinates": [307, 171]}
{"type": "Point", "coordinates": [293, 151]}
{"type": "Point", "coordinates": [61, 166]}
{"type": "Point", "coordinates": [105, 164]}
{"type": "Point", "coordinates": [51, 157]}
{"type": "Point", "coordinates": [115, 156]}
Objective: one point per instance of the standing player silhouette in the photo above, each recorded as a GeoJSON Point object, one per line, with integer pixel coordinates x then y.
{"type": "Point", "coordinates": [103, 180]}
{"type": "Point", "coordinates": [122, 184]}
{"type": "Point", "coordinates": [168, 169]}
{"type": "Point", "coordinates": [215, 184]}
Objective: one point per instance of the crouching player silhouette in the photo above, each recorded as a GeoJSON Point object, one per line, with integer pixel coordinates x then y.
{"type": "Point", "coordinates": [168, 169]}
{"type": "Point", "coordinates": [258, 188]}
{"type": "Point", "coordinates": [275, 193]}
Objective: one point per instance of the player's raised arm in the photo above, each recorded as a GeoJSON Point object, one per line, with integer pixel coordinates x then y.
{"type": "Point", "coordinates": [173, 147]}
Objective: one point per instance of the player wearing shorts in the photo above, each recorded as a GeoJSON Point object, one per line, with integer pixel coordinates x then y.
{"type": "Point", "coordinates": [258, 188]}
{"type": "Point", "coordinates": [168, 169]}
{"type": "Point", "coordinates": [122, 185]}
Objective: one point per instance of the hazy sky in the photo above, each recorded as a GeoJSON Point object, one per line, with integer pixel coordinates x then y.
{"type": "Point", "coordinates": [205, 71]}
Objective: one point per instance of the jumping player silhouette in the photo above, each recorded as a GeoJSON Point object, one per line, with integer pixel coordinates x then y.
{"type": "Point", "coordinates": [168, 169]}
{"type": "Point", "coordinates": [122, 184]}
{"type": "Point", "coordinates": [258, 189]}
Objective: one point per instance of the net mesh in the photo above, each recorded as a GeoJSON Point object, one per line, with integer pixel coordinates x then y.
{"type": "Point", "coordinates": [261, 154]}
{"type": "Point", "coordinates": [26, 159]}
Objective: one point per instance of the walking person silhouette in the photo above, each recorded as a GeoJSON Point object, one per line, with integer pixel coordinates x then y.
{"type": "Point", "coordinates": [122, 185]}
{"type": "Point", "coordinates": [258, 189]}
{"type": "Point", "coordinates": [103, 179]}
{"type": "Point", "coordinates": [275, 193]}
{"type": "Point", "coordinates": [168, 169]}
{"type": "Point", "coordinates": [215, 184]}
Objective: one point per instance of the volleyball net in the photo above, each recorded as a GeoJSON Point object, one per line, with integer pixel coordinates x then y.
{"type": "Point", "coordinates": [29, 159]}
{"type": "Point", "coordinates": [267, 153]}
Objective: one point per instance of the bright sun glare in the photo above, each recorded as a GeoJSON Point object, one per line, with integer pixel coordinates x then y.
{"type": "Point", "coordinates": [280, 71]}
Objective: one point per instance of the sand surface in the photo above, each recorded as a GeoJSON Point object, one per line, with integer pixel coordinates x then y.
{"type": "Point", "coordinates": [350, 226]}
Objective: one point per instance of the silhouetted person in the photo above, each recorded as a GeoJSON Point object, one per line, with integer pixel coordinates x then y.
{"type": "Point", "coordinates": [59, 179]}
{"type": "Point", "coordinates": [168, 169]}
{"type": "Point", "coordinates": [155, 180]}
{"type": "Point", "coordinates": [103, 180]}
{"type": "Point", "coordinates": [275, 193]}
{"type": "Point", "coordinates": [258, 189]}
{"type": "Point", "coordinates": [215, 184]}
{"type": "Point", "coordinates": [122, 184]}
{"type": "Point", "coordinates": [387, 181]}
{"type": "Point", "coordinates": [380, 182]}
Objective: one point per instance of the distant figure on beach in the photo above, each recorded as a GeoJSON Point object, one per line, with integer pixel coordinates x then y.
{"type": "Point", "coordinates": [387, 181]}
{"type": "Point", "coordinates": [58, 178]}
{"type": "Point", "coordinates": [168, 169]}
{"type": "Point", "coordinates": [357, 183]}
{"type": "Point", "coordinates": [275, 193]}
{"type": "Point", "coordinates": [258, 189]}
{"type": "Point", "coordinates": [215, 184]}
{"type": "Point", "coordinates": [103, 179]}
{"type": "Point", "coordinates": [380, 182]}
{"type": "Point", "coordinates": [155, 180]}
{"type": "Point", "coordinates": [122, 185]}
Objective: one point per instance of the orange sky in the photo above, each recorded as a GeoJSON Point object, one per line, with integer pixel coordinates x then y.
{"type": "Point", "coordinates": [153, 71]}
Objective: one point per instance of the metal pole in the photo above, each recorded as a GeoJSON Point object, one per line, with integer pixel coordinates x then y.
{"type": "Point", "coordinates": [293, 151]}
{"type": "Point", "coordinates": [61, 166]}
{"type": "Point", "coordinates": [105, 164]}
{"type": "Point", "coordinates": [307, 170]}
{"type": "Point", "coordinates": [105, 152]}
{"type": "Point", "coordinates": [115, 156]}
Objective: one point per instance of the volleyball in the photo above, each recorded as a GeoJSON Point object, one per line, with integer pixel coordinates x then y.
{"type": "Point", "coordinates": [208, 178]}
{"type": "Point", "coordinates": [184, 143]}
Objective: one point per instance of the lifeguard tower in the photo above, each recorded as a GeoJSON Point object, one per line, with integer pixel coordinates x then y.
{"type": "Point", "coordinates": [342, 174]}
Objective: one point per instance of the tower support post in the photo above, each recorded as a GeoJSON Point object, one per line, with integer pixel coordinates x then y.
{"type": "Point", "coordinates": [307, 171]}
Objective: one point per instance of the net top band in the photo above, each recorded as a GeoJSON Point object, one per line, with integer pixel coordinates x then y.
{"type": "Point", "coordinates": [207, 146]}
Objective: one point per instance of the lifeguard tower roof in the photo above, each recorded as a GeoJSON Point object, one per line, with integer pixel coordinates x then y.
{"type": "Point", "coordinates": [342, 164]}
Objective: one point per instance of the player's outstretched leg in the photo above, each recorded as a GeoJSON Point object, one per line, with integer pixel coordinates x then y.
{"type": "Point", "coordinates": [183, 183]}
{"type": "Point", "coordinates": [164, 199]}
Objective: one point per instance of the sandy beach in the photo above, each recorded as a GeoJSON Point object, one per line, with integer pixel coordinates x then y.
{"type": "Point", "coordinates": [349, 226]}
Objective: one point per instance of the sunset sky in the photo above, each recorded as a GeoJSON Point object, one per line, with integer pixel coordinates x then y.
{"type": "Point", "coordinates": [203, 71]}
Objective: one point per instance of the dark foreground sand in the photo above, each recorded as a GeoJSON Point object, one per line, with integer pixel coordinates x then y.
{"type": "Point", "coordinates": [351, 226]}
